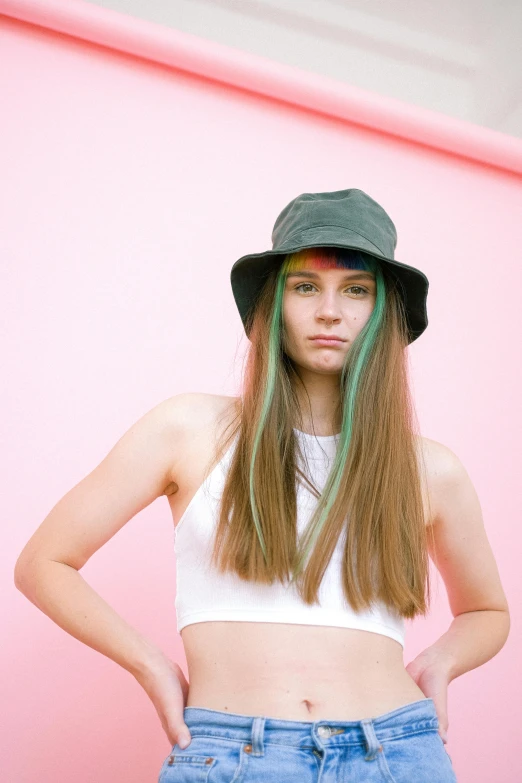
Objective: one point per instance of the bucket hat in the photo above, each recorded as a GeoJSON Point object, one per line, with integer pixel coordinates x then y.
{"type": "Point", "coordinates": [341, 218]}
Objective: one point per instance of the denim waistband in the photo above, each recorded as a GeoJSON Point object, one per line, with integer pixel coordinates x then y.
{"type": "Point", "coordinates": [411, 718]}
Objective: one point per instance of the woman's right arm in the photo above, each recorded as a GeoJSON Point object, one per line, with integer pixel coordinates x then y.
{"type": "Point", "coordinates": [132, 475]}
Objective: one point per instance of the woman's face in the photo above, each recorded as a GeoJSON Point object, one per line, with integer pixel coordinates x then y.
{"type": "Point", "coordinates": [335, 302]}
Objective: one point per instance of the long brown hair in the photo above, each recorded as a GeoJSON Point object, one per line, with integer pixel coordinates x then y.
{"type": "Point", "coordinates": [373, 493]}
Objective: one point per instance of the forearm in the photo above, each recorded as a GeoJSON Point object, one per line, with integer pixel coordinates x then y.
{"type": "Point", "coordinates": [62, 594]}
{"type": "Point", "coordinates": [472, 639]}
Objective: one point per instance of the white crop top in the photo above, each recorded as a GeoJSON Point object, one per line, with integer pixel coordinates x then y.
{"type": "Point", "coordinates": [203, 594]}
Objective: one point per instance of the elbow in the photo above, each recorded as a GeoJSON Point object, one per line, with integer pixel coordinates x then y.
{"type": "Point", "coordinates": [504, 609]}
{"type": "Point", "coordinates": [20, 574]}
{"type": "Point", "coordinates": [508, 621]}
{"type": "Point", "coordinates": [24, 571]}
{"type": "Point", "coordinates": [504, 625]}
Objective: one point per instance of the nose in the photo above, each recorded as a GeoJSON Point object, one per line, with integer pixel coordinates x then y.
{"type": "Point", "coordinates": [328, 308]}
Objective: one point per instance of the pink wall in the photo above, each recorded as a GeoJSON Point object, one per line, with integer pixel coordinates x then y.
{"type": "Point", "coordinates": [128, 189]}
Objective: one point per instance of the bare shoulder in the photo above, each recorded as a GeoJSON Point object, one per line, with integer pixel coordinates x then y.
{"type": "Point", "coordinates": [438, 457]}
{"type": "Point", "coordinates": [440, 460]}
{"type": "Point", "coordinates": [441, 468]}
{"type": "Point", "coordinates": [198, 420]}
{"type": "Point", "coordinates": [195, 413]}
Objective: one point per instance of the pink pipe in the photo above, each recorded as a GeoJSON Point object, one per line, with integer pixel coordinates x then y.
{"type": "Point", "coordinates": [265, 77]}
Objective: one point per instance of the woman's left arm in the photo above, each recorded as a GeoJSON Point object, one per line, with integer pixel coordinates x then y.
{"type": "Point", "coordinates": [462, 554]}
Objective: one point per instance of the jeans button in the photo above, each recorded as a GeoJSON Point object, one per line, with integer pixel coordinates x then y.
{"type": "Point", "coordinates": [324, 731]}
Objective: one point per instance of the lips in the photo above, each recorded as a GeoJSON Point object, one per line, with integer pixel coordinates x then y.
{"type": "Point", "coordinates": [325, 337]}
{"type": "Point", "coordinates": [328, 342]}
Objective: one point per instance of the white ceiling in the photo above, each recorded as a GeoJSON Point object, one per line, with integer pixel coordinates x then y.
{"type": "Point", "coordinates": [459, 57]}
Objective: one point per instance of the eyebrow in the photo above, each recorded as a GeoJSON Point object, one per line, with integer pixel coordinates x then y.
{"type": "Point", "coordinates": [308, 273]}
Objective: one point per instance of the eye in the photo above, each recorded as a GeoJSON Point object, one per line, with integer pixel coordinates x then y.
{"type": "Point", "coordinates": [302, 284]}
{"type": "Point", "coordinates": [359, 287]}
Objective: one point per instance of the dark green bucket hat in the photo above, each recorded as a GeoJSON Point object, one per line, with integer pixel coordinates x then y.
{"type": "Point", "coordinates": [341, 218]}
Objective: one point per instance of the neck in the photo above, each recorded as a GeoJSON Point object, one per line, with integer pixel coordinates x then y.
{"type": "Point", "coordinates": [318, 401]}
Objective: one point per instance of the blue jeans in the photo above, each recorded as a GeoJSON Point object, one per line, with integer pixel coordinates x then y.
{"type": "Point", "coordinates": [401, 746]}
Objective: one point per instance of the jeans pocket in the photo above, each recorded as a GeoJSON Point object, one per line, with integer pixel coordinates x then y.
{"type": "Point", "coordinates": [419, 756]}
{"type": "Point", "coordinates": [187, 768]}
{"type": "Point", "coordinates": [205, 760]}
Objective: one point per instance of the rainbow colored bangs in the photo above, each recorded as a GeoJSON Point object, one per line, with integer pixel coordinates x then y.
{"type": "Point", "coordinates": [327, 258]}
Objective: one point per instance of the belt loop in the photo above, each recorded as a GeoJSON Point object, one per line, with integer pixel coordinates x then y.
{"type": "Point", "coordinates": [258, 730]}
{"type": "Point", "coordinates": [372, 743]}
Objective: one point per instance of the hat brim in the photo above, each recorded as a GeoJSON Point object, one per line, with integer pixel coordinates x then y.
{"type": "Point", "coordinates": [249, 273]}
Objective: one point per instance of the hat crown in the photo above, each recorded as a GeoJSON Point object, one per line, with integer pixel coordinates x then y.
{"type": "Point", "coordinates": [351, 209]}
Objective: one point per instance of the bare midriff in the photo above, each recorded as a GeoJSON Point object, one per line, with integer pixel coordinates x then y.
{"type": "Point", "coordinates": [295, 672]}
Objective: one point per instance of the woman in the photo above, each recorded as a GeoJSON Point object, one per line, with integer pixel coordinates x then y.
{"type": "Point", "coordinates": [306, 511]}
